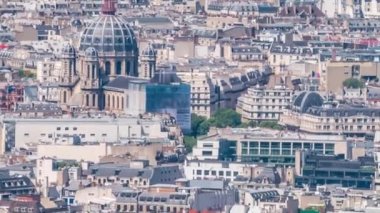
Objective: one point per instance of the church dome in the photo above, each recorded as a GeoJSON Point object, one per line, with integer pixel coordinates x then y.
{"type": "Point", "coordinates": [108, 33]}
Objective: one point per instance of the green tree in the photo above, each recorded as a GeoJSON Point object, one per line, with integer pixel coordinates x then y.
{"type": "Point", "coordinates": [196, 123]}
{"type": "Point", "coordinates": [225, 117]}
{"type": "Point", "coordinates": [270, 125]}
{"type": "Point", "coordinates": [189, 142]}
{"type": "Point", "coordinates": [204, 127]}
{"type": "Point", "coordinates": [21, 73]}
{"type": "Point", "coordinates": [353, 83]}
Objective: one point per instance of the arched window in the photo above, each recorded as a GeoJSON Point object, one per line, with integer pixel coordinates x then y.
{"type": "Point", "coordinates": [108, 67]}
{"type": "Point", "coordinates": [87, 99]}
{"type": "Point", "coordinates": [93, 99]}
{"type": "Point", "coordinates": [94, 72]}
{"type": "Point", "coordinates": [88, 71]}
{"type": "Point", "coordinates": [118, 68]}
{"type": "Point", "coordinates": [128, 68]}
{"type": "Point", "coordinates": [122, 102]}
{"type": "Point", "coordinates": [117, 102]}
{"type": "Point", "coordinates": [108, 101]}
{"type": "Point", "coordinates": [113, 101]}
{"type": "Point", "coordinates": [64, 96]}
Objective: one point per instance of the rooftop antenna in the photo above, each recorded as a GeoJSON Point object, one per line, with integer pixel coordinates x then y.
{"type": "Point", "coordinates": [108, 7]}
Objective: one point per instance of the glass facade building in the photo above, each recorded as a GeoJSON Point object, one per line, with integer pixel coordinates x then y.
{"type": "Point", "coordinates": [172, 98]}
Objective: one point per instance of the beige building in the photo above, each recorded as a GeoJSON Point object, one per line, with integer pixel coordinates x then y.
{"type": "Point", "coordinates": [260, 104]}
{"type": "Point", "coordinates": [309, 113]}
{"type": "Point", "coordinates": [335, 73]}
{"type": "Point", "coordinates": [25, 132]}
{"type": "Point", "coordinates": [270, 200]}
{"type": "Point", "coordinates": [202, 92]}
{"type": "Point", "coordinates": [94, 152]}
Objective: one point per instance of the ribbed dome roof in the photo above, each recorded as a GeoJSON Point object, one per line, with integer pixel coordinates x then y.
{"type": "Point", "coordinates": [109, 33]}
{"type": "Point", "coordinates": [305, 100]}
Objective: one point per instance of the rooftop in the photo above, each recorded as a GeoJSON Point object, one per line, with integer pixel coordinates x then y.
{"type": "Point", "coordinates": [261, 133]}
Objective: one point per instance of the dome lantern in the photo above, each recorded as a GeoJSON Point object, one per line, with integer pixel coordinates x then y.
{"type": "Point", "coordinates": [108, 7]}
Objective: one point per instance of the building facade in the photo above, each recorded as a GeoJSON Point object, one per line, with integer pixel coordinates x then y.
{"type": "Point", "coordinates": [260, 104]}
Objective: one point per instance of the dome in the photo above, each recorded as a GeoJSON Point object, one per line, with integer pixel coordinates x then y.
{"type": "Point", "coordinates": [108, 33]}
{"type": "Point", "coordinates": [305, 100]}
{"type": "Point", "coordinates": [149, 51]}
{"type": "Point", "coordinates": [91, 53]}
{"type": "Point", "coordinates": [68, 49]}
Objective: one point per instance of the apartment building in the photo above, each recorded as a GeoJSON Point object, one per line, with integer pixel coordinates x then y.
{"type": "Point", "coordinates": [137, 174]}
{"type": "Point", "coordinates": [309, 113]}
{"type": "Point", "coordinates": [202, 92]}
{"type": "Point", "coordinates": [260, 103]}
{"type": "Point", "coordinates": [185, 196]}
{"type": "Point", "coordinates": [214, 169]}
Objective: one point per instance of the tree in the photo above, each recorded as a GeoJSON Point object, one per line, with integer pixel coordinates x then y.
{"type": "Point", "coordinates": [353, 83]}
{"type": "Point", "coordinates": [271, 125]}
{"type": "Point", "coordinates": [21, 73]}
{"type": "Point", "coordinates": [225, 117]}
{"type": "Point", "coordinates": [196, 123]}
{"type": "Point", "coordinates": [189, 142]}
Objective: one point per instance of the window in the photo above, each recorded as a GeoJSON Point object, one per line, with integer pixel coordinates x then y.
{"type": "Point", "coordinates": [228, 173]}
{"type": "Point", "coordinates": [26, 134]}
{"type": "Point", "coordinates": [66, 128]}
{"type": "Point", "coordinates": [236, 174]}
{"type": "Point", "coordinates": [206, 153]}
{"type": "Point", "coordinates": [207, 145]}
{"type": "Point", "coordinates": [92, 135]}
{"type": "Point", "coordinates": [213, 172]}
{"type": "Point", "coordinates": [221, 173]}
{"type": "Point", "coordinates": [75, 128]}
{"type": "Point", "coordinates": [207, 172]}
{"type": "Point", "coordinates": [199, 172]}
{"type": "Point", "coordinates": [58, 128]}
{"type": "Point", "coordinates": [104, 135]}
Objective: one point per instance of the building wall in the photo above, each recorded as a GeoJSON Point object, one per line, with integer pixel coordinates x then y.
{"type": "Point", "coordinates": [114, 101]}
{"type": "Point", "coordinates": [337, 72]}
{"type": "Point", "coordinates": [74, 152]}
{"type": "Point", "coordinates": [282, 151]}
{"type": "Point", "coordinates": [90, 130]}
{"type": "Point", "coordinates": [201, 92]}
{"type": "Point", "coordinates": [170, 98]}
{"type": "Point", "coordinates": [213, 170]}
{"type": "Point", "coordinates": [263, 104]}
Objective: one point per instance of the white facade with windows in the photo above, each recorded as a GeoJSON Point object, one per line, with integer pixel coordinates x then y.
{"type": "Point", "coordinates": [196, 169]}
{"type": "Point", "coordinates": [206, 150]}
{"type": "Point", "coordinates": [97, 129]}
{"type": "Point", "coordinates": [260, 104]}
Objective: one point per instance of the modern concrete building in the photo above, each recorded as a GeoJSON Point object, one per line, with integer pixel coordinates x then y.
{"type": "Point", "coordinates": [269, 146]}
{"type": "Point", "coordinates": [19, 132]}
{"type": "Point", "coordinates": [316, 170]}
